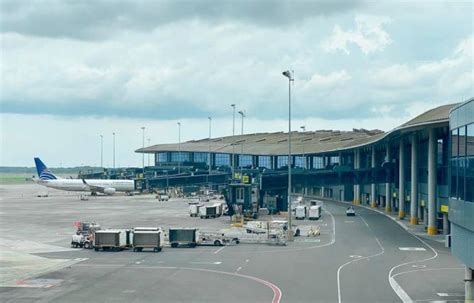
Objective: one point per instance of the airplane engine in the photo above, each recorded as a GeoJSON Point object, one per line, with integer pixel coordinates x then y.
{"type": "Point", "coordinates": [109, 191]}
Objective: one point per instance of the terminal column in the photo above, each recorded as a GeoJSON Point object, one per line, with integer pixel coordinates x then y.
{"type": "Point", "coordinates": [414, 183]}
{"type": "Point", "coordinates": [356, 183]}
{"type": "Point", "coordinates": [388, 199]}
{"type": "Point", "coordinates": [373, 202]}
{"type": "Point", "coordinates": [432, 229]}
{"type": "Point", "coordinates": [401, 182]}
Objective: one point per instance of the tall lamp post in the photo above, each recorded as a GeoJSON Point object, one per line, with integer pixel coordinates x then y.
{"type": "Point", "coordinates": [209, 148]}
{"type": "Point", "coordinates": [303, 128]}
{"type": "Point", "coordinates": [101, 151]}
{"type": "Point", "coordinates": [179, 147]}
{"type": "Point", "coordinates": [233, 140]}
{"type": "Point", "coordinates": [113, 150]}
{"type": "Point", "coordinates": [242, 114]}
{"type": "Point", "coordinates": [289, 75]}
{"type": "Point", "coordinates": [143, 146]}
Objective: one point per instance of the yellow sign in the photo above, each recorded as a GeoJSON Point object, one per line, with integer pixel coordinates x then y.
{"type": "Point", "coordinates": [246, 179]}
{"type": "Point", "coordinates": [444, 208]}
{"type": "Point", "coordinates": [237, 176]}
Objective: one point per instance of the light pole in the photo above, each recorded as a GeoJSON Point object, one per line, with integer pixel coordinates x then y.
{"type": "Point", "coordinates": [289, 75]}
{"type": "Point", "coordinates": [179, 147]}
{"type": "Point", "coordinates": [113, 149]}
{"type": "Point", "coordinates": [209, 147]}
{"type": "Point", "coordinates": [304, 158]}
{"type": "Point", "coordinates": [143, 146]}
{"type": "Point", "coordinates": [241, 113]}
{"type": "Point", "coordinates": [149, 154]}
{"type": "Point", "coordinates": [233, 140]}
{"type": "Point", "coordinates": [101, 151]}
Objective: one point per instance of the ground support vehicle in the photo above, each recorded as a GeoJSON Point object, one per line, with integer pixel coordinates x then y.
{"type": "Point", "coordinates": [194, 209]}
{"type": "Point", "coordinates": [350, 212]}
{"type": "Point", "coordinates": [110, 239]}
{"type": "Point", "coordinates": [182, 237]}
{"type": "Point", "coordinates": [300, 213]}
{"type": "Point", "coordinates": [208, 211]}
{"type": "Point", "coordinates": [216, 239]}
{"type": "Point", "coordinates": [147, 239]}
{"type": "Point", "coordinates": [314, 212]}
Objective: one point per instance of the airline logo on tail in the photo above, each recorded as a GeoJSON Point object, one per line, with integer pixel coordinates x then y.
{"type": "Point", "coordinates": [43, 172]}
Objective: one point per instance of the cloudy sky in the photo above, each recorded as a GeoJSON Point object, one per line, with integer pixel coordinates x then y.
{"type": "Point", "coordinates": [73, 70]}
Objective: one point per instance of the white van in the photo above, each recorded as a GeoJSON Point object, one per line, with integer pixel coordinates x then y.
{"type": "Point", "coordinates": [314, 212]}
{"type": "Point", "coordinates": [300, 213]}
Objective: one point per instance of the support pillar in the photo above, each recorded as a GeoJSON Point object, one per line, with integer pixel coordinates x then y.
{"type": "Point", "coordinates": [432, 228]}
{"type": "Point", "coordinates": [356, 185]}
{"type": "Point", "coordinates": [469, 285]}
{"type": "Point", "coordinates": [414, 183]}
{"type": "Point", "coordinates": [388, 198]}
{"type": "Point", "coordinates": [445, 224]}
{"type": "Point", "coordinates": [401, 181]}
{"type": "Point", "coordinates": [373, 202]}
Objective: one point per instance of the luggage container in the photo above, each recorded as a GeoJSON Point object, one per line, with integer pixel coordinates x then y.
{"type": "Point", "coordinates": [182, 237]}
{"type": "Point", "coordinates": [208, 211]}
{"type": "Point", "coordinates": [110, 239]}
{"type": "Point", "coordinates": [194, 209]}
{"type": "Point", "coordinates": [314, 212]}
{"type": "Point", "coordinates": [147, 238]}
{"type": "Point", "coordinates": [300, 213]}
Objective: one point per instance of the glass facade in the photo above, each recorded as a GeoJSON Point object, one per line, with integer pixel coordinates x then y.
{"type": "Point", "coordinates": [245, 160]}
{"type": "Point", "coordinates": [179, 156]}
{"type": "Point", "coordinates": [222, 160]}
{"type": "Point", "coordinates": [161, 157]}
{"type": "Point", "coordinates": [335, 160]}
{"type": "Point", "coordinates": [462, 163]}
{"type": "Point", "coordinates": [282, 161]}
{"type": "Point", "coordinates": [201, 158]}
{"type": "Point", "coordinates": [265, 161]}
{"type": "Point", "coordinates": [300, 161]}
{"type": "Point", "coordinates": [318, 162]}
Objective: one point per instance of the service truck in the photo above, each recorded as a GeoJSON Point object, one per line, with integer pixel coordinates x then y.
{"type": "Point", "coordinates": [314, 212]}
{"type": "Point", "coordinates": [300, 212]}
{"type": "Point", "coordinates": [194, 209]}
{"type": "Point", "coordinates": [208, 211]}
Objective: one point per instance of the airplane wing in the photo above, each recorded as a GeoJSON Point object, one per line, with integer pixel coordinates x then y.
{"type": "Point", "coordinates": [94, 188]}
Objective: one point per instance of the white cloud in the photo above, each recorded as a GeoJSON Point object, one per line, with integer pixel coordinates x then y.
{"type": "Point", "coordinates": [449, 75]}
{"type": "Point", "coordinates": [326, 81]}
{"type": "Point", "coordinates": [369, 35]}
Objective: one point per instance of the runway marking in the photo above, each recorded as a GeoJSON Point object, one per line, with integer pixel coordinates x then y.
{"type": "Point", "coordinates": [427, 269]}
{"type": "Point", "coordinates": [217, 251]}
{"type": "Point", "coordinates": [355, 256]}
{"type": "Point", "coordinates": [382, 251]}
{"type": "Point", "coordinates": [443, 294]}
{"type": "Point", "coordinates": [412, 248]}
{"type": "Point", "coordinates": [348, 221]}
{"type": "Point", "coordinates": [418, 266]}
{"type": "Point", "coordinates": [203, 262]}
{"type": "Point", "coordinates": [238, 269]}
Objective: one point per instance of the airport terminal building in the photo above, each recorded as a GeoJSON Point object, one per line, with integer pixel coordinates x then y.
{"type": "Point", "coordinates": [422, 170]}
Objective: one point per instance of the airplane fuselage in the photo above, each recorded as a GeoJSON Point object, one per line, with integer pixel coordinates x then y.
{"type": "Point", "coordinates": [79, 185]}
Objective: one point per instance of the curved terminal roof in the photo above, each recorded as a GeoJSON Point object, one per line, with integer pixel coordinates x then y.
{"type": "Point", "coordinates": [310, 142]}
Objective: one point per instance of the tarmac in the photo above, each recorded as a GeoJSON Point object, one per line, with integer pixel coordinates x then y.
{"type": "Point", "coordinates": [371, 257]}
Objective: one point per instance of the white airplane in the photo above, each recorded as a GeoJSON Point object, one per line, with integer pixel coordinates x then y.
{"type": "Point", "coordinates": [108, 187]}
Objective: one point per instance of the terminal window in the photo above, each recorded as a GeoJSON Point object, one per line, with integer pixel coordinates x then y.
{"type": "Point", "coordinates": [179, 156]}
{"type": "Point", "coordinates": [264, 161]}
{"type": "Point", "coordinates": [300, 161]}
{"type": "Point", "coordinates": [462, 163]}
{"type": "Point", "coordinates": [245, 160]}
{"type": "Point", "coordinates": [222, 160]}
{"type": "Point", "coordinates": [201, 158]}
{"type": "Point", "coordinates": [282, 161]}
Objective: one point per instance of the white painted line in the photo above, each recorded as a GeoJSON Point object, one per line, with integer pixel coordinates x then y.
{"type": "Point", "coordinates": [217, 251]}
{"type": "Point", "coordinates": [418, 266]}
{"type": "Point", "coordinates": [247, 260]}
{"type": "Point", "coordinates": [238, 269]}
{"type": "Point", "coordinates": [138, 262]}
{"type": "Point", "coordinates": [348, 221]}
{"type": "Point", "coordinates": [212, 263]}
{"type": "Point", "coordinates": [382, 251]}
{"type": "Point", "coordinates": [412, 248]}
{"type": "Point", "coordinates": [443, 294]}
{"type": "Point", "coordinates": [355, 256]}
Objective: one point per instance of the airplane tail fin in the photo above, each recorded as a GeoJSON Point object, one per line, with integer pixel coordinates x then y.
{"type": "Point", "coordinates": [43, 172]}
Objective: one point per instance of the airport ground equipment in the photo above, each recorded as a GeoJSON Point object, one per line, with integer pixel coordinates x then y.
{"type": "Point", "coordinates": [110, 239]}
{"type": "Point", "coordinates": [147, 237]}
{"type": "Point", "coordinates": [316, 202]}
{"type": "Point", "coordinates": [300, 212]}
{"type": "Point", "coordinates": [216, 239]}
{"type": "Point", "coordinates": [313, 231]}
{"type": "Point", "coordinates": [350, 212]}
{"type": "Point", "coordinates": [208, 211]}
{"type": "Point", "coordinates": [314, 212]}
{"type": "Point", "coordinates": [194, 209]}
{"type": "Point", "coordinates": [84, 236]}
{"type": "Point", "coordinates": [162, 197]}
{"type": "Point", "coordinates": [182, 237]}
{"type": "Point", "coordinates": [81, 241]}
